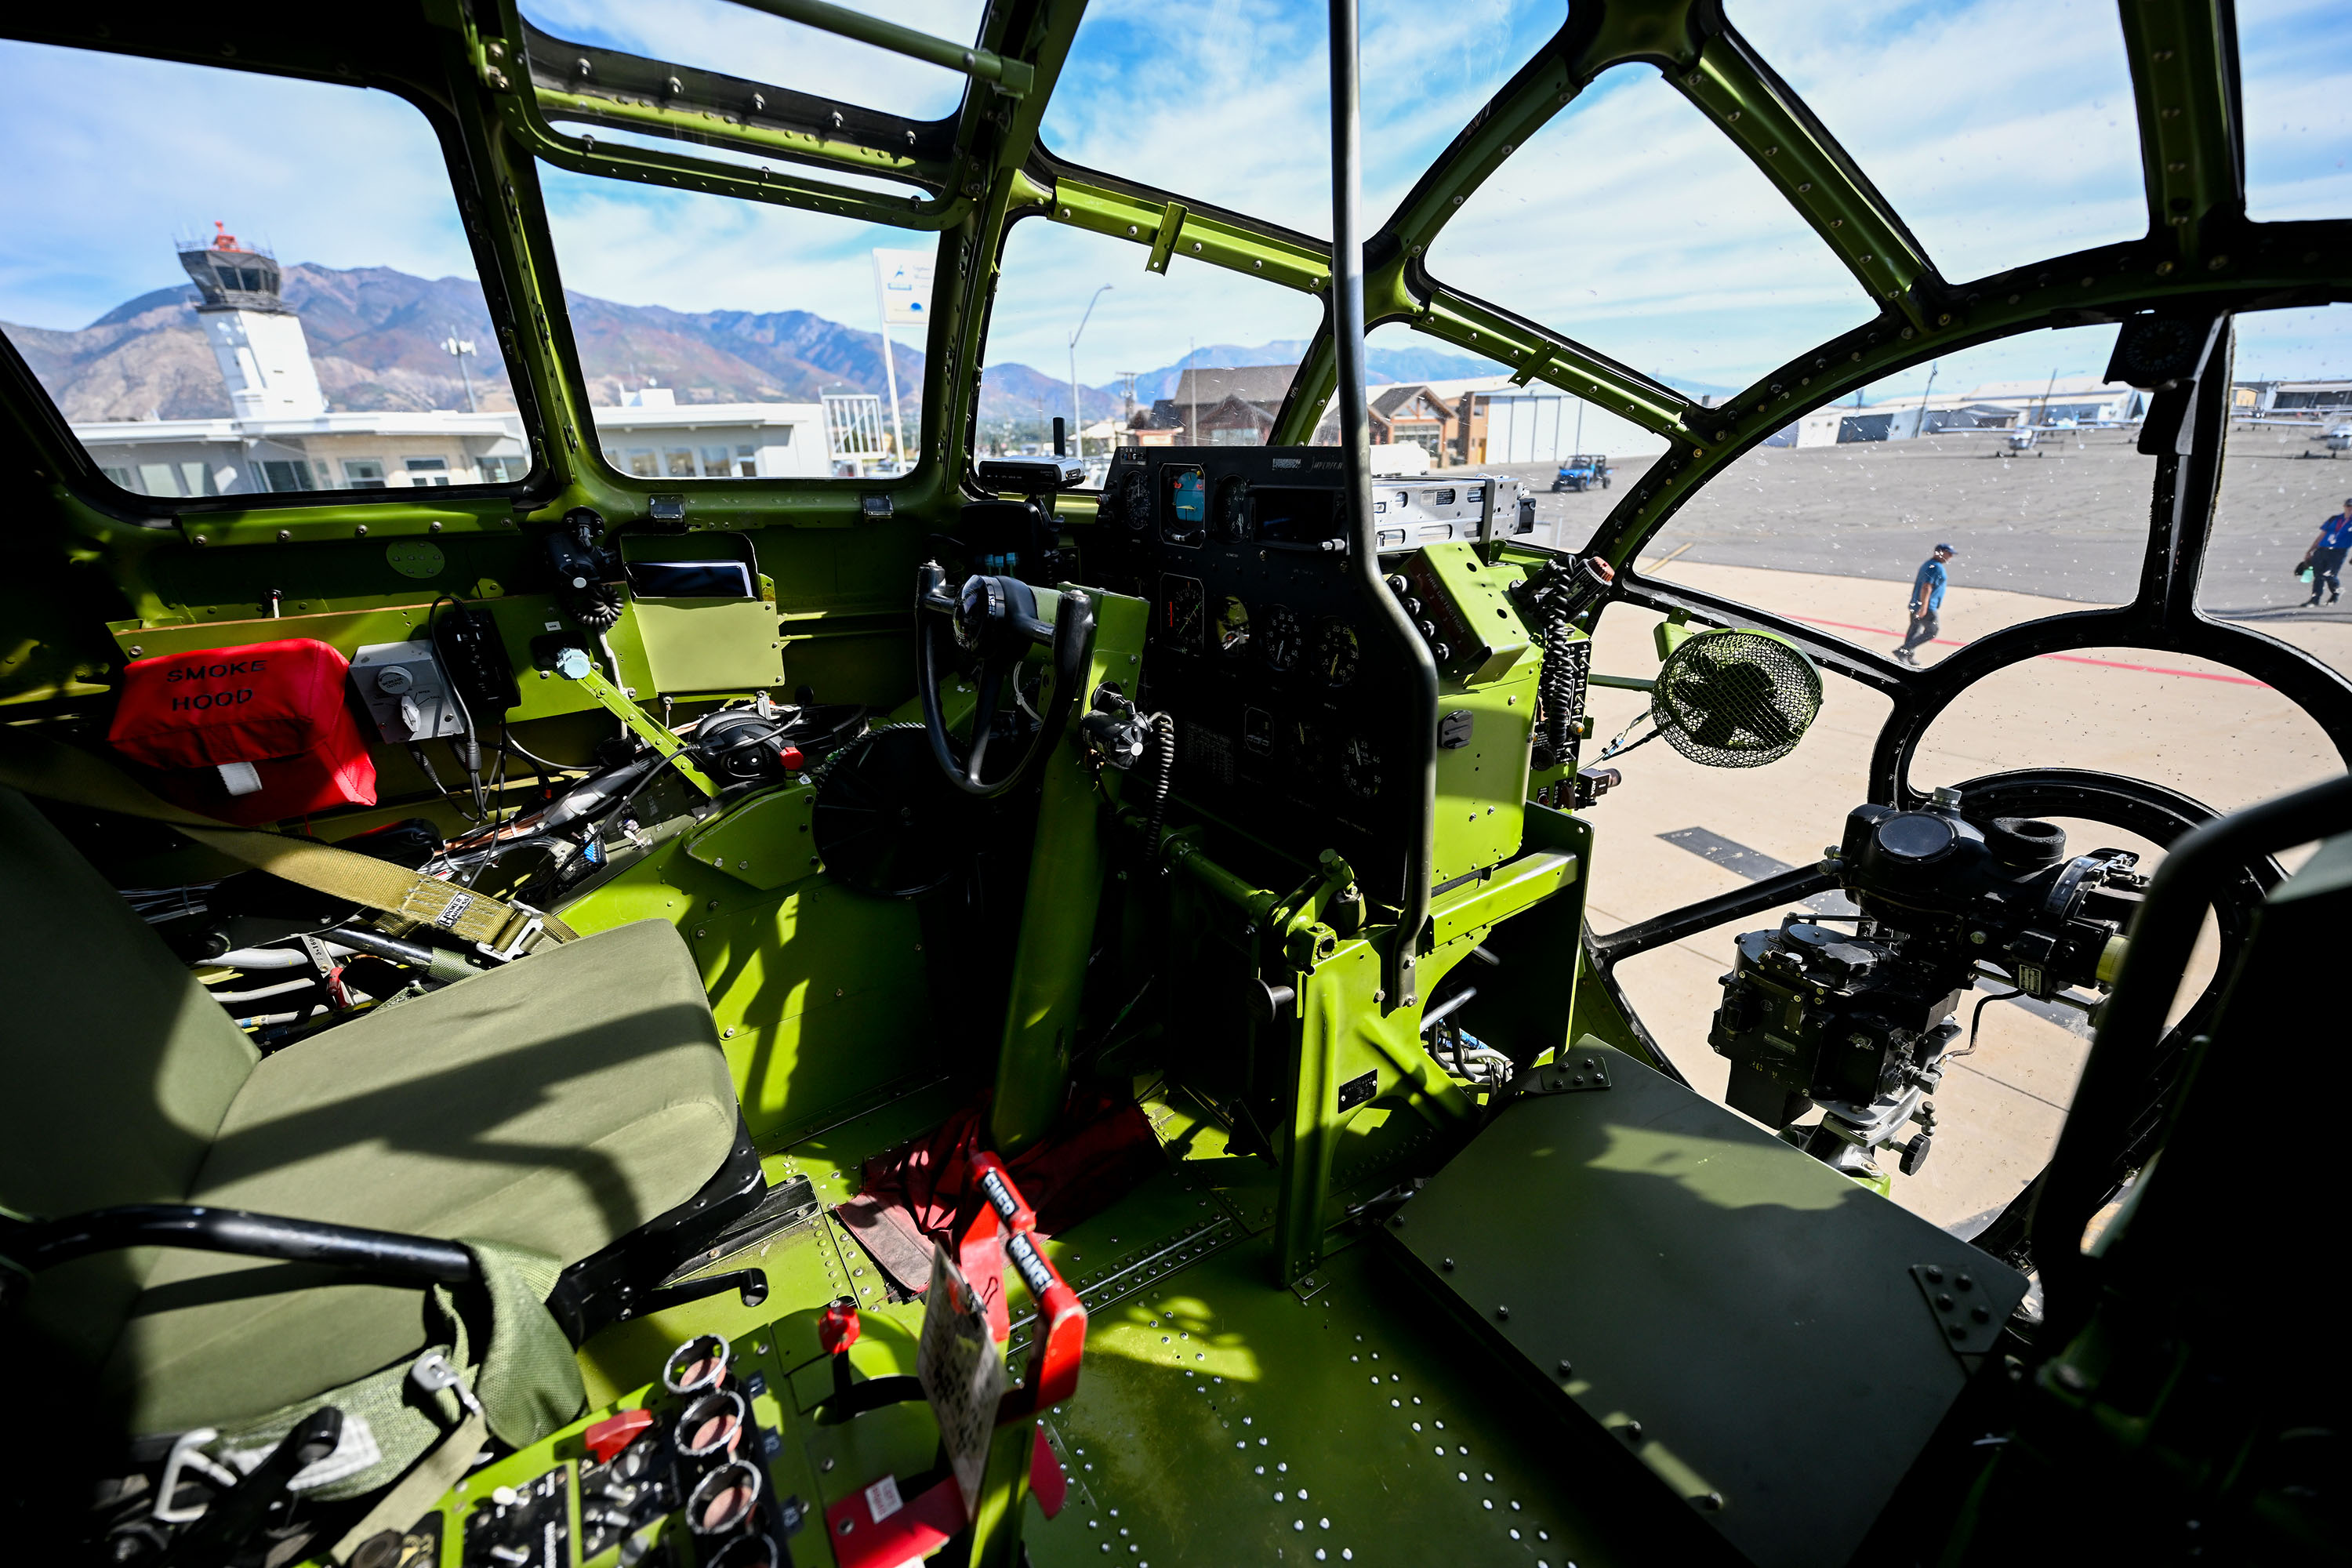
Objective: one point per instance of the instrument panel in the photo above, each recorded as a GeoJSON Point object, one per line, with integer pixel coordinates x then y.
{"type": "Point", "coordinates": [1282, 681]}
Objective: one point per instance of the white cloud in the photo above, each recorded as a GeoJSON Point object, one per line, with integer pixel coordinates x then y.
{"type": "Point", "coordinates": [2002, 130]}
{"type": "Point", "coordinates": [1631, 225]}
{"type": "Point", "coordinates": [113, 156]}
{"type": "Point", "coordinates": [2295, 56]}
{"type": "Point", "coordinates": [648, 245]}
{"type": "Point", "coordinates": [1229, 99]}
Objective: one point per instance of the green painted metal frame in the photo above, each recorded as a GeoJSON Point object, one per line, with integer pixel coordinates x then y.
{"type": "Point", "coordinates": [1011, 77]}
{"type": "Point", "coordinates": [643, 725]}
{"type": "Point", "coordinates": [1340, 1025]}
{"type": "Point", "coordinates": [2199, 247]}
{"type": "Point", "coordinates": [1059, 910]}
{"type": "Point", "coordinates": [989, 169]}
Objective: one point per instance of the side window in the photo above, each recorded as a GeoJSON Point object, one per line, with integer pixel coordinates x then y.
{"type": "Point", "coordinates": [2282, 517]}
{"type": "Point", "coordinates": [285, 308]}
{"type": "Point", "coordinates": [733, 340]}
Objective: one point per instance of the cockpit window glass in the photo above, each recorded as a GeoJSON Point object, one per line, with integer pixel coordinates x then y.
{"type": "Point", "coordinates": [2282, 521]}
{"type": "Point", "coordinates": [2294, 64]}
{"type": "Point", "coordinates": [1630, 224]}
{"type": "Point", "coordinates": [238, 285]}
{"type": "Point", "coordinates": [2016, 454]}
{"type": "Point", "coordinates": [1250, 126]}
{"type": "Point", "coordinates": [1677, 833]}
{"type": "Point", "coordinates": [726, 339]}
{"type": "Point", "coordinates": [738, 41]}
{"type": "Point", "coordinates": [2125, 710]}
{"type": "Point", "coordinates": [2002, 130]}
{"type": "Point", "coordinates": [1195, 355]}
{"type": "Point", "coordinates": [1465, 410]}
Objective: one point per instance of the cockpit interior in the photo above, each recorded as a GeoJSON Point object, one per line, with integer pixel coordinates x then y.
{"type": "Point", "coordinates": [685, 887]}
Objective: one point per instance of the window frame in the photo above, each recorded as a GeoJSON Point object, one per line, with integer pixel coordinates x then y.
{"type": "Point", "coordinates": [81, 471]}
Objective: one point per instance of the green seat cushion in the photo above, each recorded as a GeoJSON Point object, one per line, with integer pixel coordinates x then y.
{"type": "Point", "coordinates": [123, 1065]}
{"type": "Point", "coordinates": [556, 1104]}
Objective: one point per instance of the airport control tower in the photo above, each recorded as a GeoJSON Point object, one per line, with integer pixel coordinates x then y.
{"type": "Point", "coordinates": [264, 359]}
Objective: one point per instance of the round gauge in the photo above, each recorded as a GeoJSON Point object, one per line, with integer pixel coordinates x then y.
{"type": "Point", "coordinates": [1279, 638]}
{"type": "Point", "coordinates": [1233, 508]}
{"type": "Point", "coordinates": [1233, 627]}
{"type": "Point", "coordinates": [1305, 743]}
{"type": "Point", "coordinates": [1184, 603]}
{"type": "Point", "coordinates": [1335, 652]}
{"type": "Point", "coordinates": [1135, 501]}
{"type": "Point", "coordinates": [1360, 767]}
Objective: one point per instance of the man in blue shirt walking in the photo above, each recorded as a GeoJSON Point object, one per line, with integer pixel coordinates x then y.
{"type": "Point", "coordinates": [2326, 557]}
{"type": "Point", "coordinates": [1926, 598]}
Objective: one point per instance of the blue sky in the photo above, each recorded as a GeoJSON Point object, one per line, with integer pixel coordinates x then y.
{"type": "Point", "coordinates": [2000, 129]}
{"type": "Point", "coordinates": [112, 157]}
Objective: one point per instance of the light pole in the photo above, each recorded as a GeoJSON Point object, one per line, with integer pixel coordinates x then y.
{"type": "Point", "coordinates": [459, 348]}
{"type": "Point", "coordinates": [1078, 422]}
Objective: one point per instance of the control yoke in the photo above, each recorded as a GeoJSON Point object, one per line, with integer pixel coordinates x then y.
{"type": "Point", "coordinates": [999, 620]}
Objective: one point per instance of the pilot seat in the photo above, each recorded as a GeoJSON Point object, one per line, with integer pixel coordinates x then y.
{"type": "Point", "coordinates": [570, 1111]}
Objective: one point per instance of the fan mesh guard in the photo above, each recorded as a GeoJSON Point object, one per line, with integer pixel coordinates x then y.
{"type": "Point", "coordinates": [1730, 698]}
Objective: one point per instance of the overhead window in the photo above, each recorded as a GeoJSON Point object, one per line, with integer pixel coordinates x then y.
{"type": "Point", "coordinates": [1632, 225]}
{"type": "Point", "coordinates": [315, 271]}
{"type": "Point", "coordinates": [2002, 130]}
{"type": "Point", "coordinates": [1234, 105]}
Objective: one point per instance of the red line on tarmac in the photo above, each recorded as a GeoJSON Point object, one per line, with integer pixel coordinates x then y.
{"type": "Point", "coordinates": [2063, 657]}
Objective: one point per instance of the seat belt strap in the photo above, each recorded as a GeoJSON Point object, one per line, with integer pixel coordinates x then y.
{"type": "Point", "coordinates": [420, 1489]}
{"type": "Point", "coordinates": [38, 765]}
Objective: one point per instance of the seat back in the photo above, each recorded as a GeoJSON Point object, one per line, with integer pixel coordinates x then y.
{"type": "Point", "coordinates": [117, 1066]}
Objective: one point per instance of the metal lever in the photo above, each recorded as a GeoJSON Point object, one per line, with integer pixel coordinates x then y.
{"type": "Point", "coordinates": [574, 664]}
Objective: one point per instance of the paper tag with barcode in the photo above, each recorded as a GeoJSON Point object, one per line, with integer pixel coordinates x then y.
{"type": "Point", "coordinates": [962, 1371]}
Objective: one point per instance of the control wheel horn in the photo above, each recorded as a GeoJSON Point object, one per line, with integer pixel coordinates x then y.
{"type": "Point", "coordinates": [999, 620]}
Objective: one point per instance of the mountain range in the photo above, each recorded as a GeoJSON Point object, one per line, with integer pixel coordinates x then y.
{"type": "Point", "coordinates": [375, 336]}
